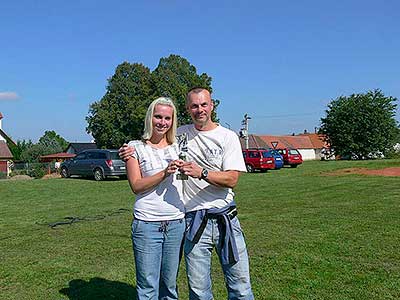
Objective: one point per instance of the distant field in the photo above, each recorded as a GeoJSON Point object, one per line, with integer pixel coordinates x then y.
{"type": "Point", "coordinates": [309, 236]}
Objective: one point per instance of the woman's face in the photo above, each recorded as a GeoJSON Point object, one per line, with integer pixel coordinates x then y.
{"type": "Point", "coordinates": [162, 119]}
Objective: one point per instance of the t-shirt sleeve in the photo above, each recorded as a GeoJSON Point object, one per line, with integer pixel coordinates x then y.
{"type": "Point", "coordinates": [233, 156]}
{"type": "Point", "coordinates": [134, 144]}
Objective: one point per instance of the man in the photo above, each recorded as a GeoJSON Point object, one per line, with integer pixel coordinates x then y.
{"type": "Point", "coordinates": [214, 164]}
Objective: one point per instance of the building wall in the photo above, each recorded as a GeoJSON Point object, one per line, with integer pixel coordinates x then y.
{"type": "Point", "coordinates": [307, 154]}
{"type": "Point", "coordinates": [3, 166]}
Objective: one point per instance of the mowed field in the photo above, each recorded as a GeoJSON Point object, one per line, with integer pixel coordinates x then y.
{"type": "Point", "coordinates": [310, 235]}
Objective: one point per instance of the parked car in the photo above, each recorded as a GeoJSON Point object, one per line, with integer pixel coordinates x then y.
{"type": "Point", "coordinates": [98, 163]}
{"type": "Point", "coordinates": [291, 157]}
{"type": "Point", "coordinates": [278, 158]}
{"type": "Point", "coordinates": [258, 159]}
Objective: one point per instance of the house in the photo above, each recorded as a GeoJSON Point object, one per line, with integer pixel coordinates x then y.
{"type": "Point", "coordinates": [299, 142]}
{"type": "Point", "coordinates": [310, 145]}
{"type": "Point", "coordinates": [5, 153]}
{"type": "Point", "coordinates": [321, 146]}
{"type": "Point", "coordinates": [75, 148]}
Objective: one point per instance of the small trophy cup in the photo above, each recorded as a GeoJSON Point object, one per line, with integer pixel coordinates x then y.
{"type": "Point", "coordinates": [183, 149]}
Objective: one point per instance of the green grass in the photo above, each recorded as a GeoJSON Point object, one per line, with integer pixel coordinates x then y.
{"type": "Point", "coordinates": [309, 236]}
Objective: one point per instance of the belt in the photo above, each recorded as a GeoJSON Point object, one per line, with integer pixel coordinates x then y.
{"type": "Point", "coordinates": [231, 214]}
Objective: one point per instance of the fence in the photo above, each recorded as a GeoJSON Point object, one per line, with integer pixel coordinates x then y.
{"type": "Point", "coordinates": [32, 169]}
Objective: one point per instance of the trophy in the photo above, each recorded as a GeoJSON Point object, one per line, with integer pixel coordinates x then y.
{"type": "Point", "coordinates": [183, 149]}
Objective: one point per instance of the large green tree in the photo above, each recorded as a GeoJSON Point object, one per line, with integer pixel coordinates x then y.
{"type": "Point", "coordinates": [115, 119]}
{"type": "Point", "coordinates": [361, 124]}
{"type": "Point", "coordinates": [119, 115]}
{"type": "Point", "coordinates": [174, 77]}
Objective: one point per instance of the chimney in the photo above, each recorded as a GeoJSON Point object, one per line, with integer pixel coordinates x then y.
{"type": "Point", "coordinates": [1, 117]}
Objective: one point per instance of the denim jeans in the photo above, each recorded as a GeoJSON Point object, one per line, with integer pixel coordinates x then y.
{"type": "Point", "coordinates": [198, 263]}
{"type": "Point", "coordinates": [156, 247]}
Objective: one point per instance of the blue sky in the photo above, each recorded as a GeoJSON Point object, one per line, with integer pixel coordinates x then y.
{"type": "Point", "coordinates": [281, 62]}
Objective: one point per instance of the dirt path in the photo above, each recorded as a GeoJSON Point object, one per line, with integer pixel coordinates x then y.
{"type": "Point", "coordinates": [394, 171]}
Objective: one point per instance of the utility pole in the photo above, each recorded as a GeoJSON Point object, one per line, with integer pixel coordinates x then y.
{"type": "Point", "coordinates": [245, 130]}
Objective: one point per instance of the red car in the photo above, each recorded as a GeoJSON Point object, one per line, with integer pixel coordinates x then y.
{"type": "Point", "coordinates": [258, 159]}
{"type": "Point", "coordinates": [291, 157]}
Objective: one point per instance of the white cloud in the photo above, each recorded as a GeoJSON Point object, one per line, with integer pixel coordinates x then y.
{"type": "Point", "coordinates": [9, 96]}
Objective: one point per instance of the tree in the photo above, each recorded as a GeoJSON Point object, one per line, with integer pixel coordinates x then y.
{"type": "Point", "coordinates": [119, 115]}
{"type": "Point", "coordinates": [174, 77]}
{"type": "Point", "coordinates": [20, 147]}
{"type": "Point", "coordinates": [49, 143]}
{"type": "Point", "coordinates": [52, 139]}
{"type": "Point", "coordinates": [361, 125]}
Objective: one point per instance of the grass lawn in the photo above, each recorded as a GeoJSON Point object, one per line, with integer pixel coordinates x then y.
{"type": "Point", "coordinates": [309, 236]}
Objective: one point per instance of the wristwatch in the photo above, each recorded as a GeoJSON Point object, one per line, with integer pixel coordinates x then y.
{"type": "Point", "coordinates": [204, 174]}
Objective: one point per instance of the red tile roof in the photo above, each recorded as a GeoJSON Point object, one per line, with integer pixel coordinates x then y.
{"type": "Point", "coordinates": [317, 140]}
{"type": "Point", "coordinates": [60, 155]}
{"type": "Point", "coordinates": [288, 141]}
{"type": "Point", "coordinates": [5, 151]}
{"type": "Point", "coordinates": [254, 142]}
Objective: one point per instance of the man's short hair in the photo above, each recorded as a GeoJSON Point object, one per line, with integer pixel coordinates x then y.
{"type": "Point", "coordinates": [196, 90]}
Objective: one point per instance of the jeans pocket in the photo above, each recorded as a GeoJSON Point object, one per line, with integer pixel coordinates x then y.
{"type": "Point", "coordinates": [188, 222]}
{"type": "Point", "coordinates": [236, 226]}
{"type": "Point", "coordinates": [135, 224]}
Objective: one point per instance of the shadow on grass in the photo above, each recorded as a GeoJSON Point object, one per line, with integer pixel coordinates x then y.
{"type": "Point", "coordinates": [98, 288]}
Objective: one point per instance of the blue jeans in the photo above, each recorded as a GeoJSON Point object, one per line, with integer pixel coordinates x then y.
{"type": "Point", "coordinates": [156, 247]}
{"type": "Point", "coordinates": [198, 263]}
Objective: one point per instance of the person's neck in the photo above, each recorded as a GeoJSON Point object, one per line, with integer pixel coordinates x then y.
{"type": "Point", "coordinates": [158, 141]}
{"type": "Point", "coordinates": [206, 127]}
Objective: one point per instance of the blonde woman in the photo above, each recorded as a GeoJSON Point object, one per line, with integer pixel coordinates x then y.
{"type": "Point", "coordinates": [158, 226]}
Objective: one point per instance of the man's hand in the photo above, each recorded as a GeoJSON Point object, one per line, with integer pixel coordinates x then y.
{"type": "Point", "coordinates": [191, 169]}
{"type": "Point", "coordinates": [125, 152]}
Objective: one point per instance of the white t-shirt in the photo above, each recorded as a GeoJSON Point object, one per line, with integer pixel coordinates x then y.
{"type": "Point", "coordinates": [164, 201]}
{"type": "Point", "coordinates": [215, 150]}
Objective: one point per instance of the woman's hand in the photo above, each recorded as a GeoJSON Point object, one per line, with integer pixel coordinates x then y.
{"type": "Point", "coordinates": [173, 166]}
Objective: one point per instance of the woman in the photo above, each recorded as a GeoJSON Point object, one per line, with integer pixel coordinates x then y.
{"type": "Point", "coordinates": [158, 225]}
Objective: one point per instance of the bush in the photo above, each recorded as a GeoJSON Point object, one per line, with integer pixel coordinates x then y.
{"type": "Point", "coordinates": [17, 172]}
{"type": "Point", "coordinates": [3, 175]}
{"type": "Point", "coordinates": [36, 170]}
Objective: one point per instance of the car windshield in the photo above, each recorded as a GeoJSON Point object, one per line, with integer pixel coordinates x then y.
{"type": "Point", "coordinates": [293, 151]}
{"type": "Point", "coordinates": [114, 155]}
{"type": "Point", "coordinates": [275, 152]}
{"type": "Point", "coordinates": [266, 154]}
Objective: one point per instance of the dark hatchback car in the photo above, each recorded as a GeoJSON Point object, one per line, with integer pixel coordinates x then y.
{"type": "Point", "coordinates": [97, 163]}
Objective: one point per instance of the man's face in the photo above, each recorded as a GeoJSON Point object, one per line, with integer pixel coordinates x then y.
{"type": "Point", "coordinates": [200, 107]}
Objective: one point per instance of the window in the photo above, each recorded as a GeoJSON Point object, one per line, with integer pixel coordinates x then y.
{"type": "Point", "coordinates": [80, 156]}
{"type": "Point", "coordinates": [267, 154]}
{"type": "Point", "coordinates": [254, 154]}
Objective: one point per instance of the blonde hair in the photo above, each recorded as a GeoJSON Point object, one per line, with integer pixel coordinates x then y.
{"type": "Point", "coordinates": [148, 124]}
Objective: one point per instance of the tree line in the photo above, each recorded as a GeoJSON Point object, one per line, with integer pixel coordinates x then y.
{"type": "Point", "coordinates": [359, 126]}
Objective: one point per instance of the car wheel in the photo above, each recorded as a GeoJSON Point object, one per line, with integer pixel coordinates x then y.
{"type": "Point", "coordinates": [250, 168]}
{"type": "Point", "coordinates": [64, 173]}
{"type": "Point", "coordinates": [98, 175]}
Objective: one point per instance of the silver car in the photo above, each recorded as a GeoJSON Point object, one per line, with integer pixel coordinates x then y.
{"type": "Point", "coordinates": [98, 163]}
